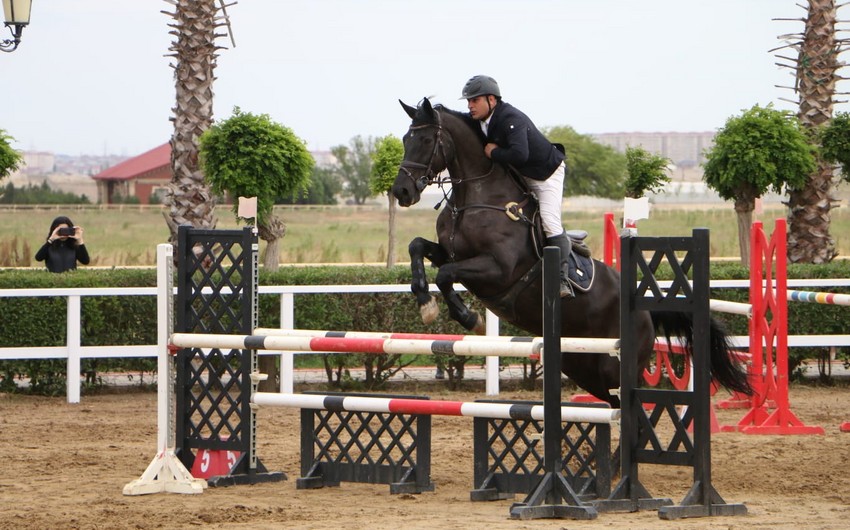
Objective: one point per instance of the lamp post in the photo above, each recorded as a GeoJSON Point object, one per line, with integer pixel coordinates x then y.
{"type": "Point", "coordinates": [17, 15]}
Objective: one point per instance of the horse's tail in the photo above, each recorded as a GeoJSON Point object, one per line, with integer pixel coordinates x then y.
{"type": "Point", "coordinates": [723, 369]}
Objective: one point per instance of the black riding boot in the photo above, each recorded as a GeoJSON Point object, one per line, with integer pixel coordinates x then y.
{"type": "Point", "coordinates": [563, 242]}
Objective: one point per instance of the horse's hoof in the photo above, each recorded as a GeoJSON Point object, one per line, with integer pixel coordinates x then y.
{"type": "Point", "coordinates": [480, 327]}
{"type": "Point", "coordinates": [429, 311]}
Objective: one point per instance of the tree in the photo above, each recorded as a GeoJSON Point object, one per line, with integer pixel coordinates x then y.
{"type": "Point", "coordinates": [10, 160]}
{"type": "Point", "coordinates": [592, 168]}
{"type": "Point", "coordinates": [386, 159]}
{"type": "Point", "coordinates": [189, 199]}
{"type": "Point", "coordinates": [815, 75]}
{"type": "Point", "coordinates": [647, 172]}
{"type": "Point", "coordinates": [354, 166]}
{"type": "Point", "coordinates": [38, 194]}
{"type": "Point", "coordinates": [760, 150]}
{"type": "Point", "coordinates": [324, 188]}
{"type": "Point", "coordinates": [252, 156]}
{"type": "Point", "coordinates": [835, 143]}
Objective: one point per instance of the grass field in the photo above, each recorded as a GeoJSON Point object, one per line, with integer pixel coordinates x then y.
{"type": "Point", "coordinates": [128, 236]}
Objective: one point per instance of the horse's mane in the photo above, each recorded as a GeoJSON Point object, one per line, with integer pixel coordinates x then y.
{"type": "Point", "coordinates": [465, 118]}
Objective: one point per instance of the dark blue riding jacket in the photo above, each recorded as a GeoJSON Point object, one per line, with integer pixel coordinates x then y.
{"type": "Point", "coordinates": [521, 144]}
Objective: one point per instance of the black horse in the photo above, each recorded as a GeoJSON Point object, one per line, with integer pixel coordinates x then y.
{"type": "Point", "coordinates": [486, 244]}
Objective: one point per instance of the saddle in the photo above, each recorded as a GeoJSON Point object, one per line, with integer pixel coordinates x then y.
{"type": "Point", "coordinates": [581, 265]}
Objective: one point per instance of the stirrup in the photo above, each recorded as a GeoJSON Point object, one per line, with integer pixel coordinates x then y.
{"type": "Point", "coordinates": [566, 289]}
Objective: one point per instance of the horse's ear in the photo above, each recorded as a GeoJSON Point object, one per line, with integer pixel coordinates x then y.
{"type": "Point", "coordinates": [411, 111]}
{"type": "Point", "coordinates": [426, 106]}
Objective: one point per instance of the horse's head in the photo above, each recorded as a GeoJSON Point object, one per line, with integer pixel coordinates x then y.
{"type": "Point", "coordinates": [427, 148]}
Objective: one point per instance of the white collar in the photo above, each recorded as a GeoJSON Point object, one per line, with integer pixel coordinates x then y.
{"type": "Point", "coordinates": [485, 124]}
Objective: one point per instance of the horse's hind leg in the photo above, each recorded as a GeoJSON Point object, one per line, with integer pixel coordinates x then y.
{"type": "Point", "coordinates": [420, 249]}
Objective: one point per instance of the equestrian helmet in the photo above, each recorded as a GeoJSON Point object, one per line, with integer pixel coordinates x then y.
{"type": "Point", "coordinates": [480, 85]}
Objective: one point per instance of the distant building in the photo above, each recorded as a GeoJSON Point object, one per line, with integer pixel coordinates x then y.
{"type": "Point", "coordinates": [35, 164]}
{"type": "Point", "coordinates": [141, 176]}
{"type": "Point", "coordinates": [38, 162]}
{"type": "Point", "coordinates": [685, 149]}
{"type": "Point", "coordinates": [324, 159]}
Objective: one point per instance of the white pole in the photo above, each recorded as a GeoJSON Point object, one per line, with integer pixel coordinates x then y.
{"type": "Point", "coordinates": [72, 379]}
{"type": "Point", "coordinates": [165, 473]}
{"type": "Point", "coordinates": [492, 362]}
{"type": "Point", "coordinates": [164, 293]}
{"type": "Point", "coordinates": [287, 358]}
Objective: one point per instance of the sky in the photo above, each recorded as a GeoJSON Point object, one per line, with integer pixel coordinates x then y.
{"type": "Point", "coordinates": [91, 77]}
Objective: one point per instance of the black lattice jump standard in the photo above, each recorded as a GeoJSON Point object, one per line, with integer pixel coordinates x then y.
{"type": "Point", "coordinates": [508, 456]}
{"type": "Point", "coordinates": [639, 441]}
{"type": "Point", "coordinates": [339, 445]}
{"type": "Point", "coordinates": [217, 293]}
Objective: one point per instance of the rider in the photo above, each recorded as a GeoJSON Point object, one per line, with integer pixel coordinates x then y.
{"type": "Point", "coordinates": [512, 138]}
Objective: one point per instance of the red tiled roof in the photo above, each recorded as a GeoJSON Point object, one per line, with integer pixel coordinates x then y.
{"type": "Point", "coordinates": [136, 166]}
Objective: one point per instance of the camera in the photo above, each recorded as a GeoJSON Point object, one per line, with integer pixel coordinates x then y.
{"type": "Point", "coordinates": [66, 232]}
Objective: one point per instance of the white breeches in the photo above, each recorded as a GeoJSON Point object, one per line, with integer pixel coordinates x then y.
{"type": "Point", "coordinates": [550, 195]}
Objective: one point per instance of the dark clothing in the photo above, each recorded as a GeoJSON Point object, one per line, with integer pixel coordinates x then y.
{"type": "Point", "coordinates": [521, 144]}
{"type": "Point", "coordinates": [62, 255]}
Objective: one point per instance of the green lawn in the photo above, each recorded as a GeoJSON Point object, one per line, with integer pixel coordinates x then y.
{"type": "Point", "coordinates": [128, 237]}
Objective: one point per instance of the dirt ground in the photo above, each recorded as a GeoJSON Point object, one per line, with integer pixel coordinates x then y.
{"type": "Point", "coordinates": [64, 466]}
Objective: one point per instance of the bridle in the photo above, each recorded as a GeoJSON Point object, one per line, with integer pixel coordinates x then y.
{"type": "Point", "coordinates": [512, 209]}
{"type": "Point", "coordinates": [428, 176]}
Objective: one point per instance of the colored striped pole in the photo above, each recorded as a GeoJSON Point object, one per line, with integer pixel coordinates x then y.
{"type": "Point", "coordinates": [526, 348]}
{"type": "Point", "coordinates": [432, 407]}
{"type": "Point", "coordinates": [818, 298]}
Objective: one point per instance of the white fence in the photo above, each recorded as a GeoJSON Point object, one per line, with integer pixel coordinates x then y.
{"type": "Point", "coordinates": [74, 352]}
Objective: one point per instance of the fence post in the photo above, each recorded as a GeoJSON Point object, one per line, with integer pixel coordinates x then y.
{"type": "Point", "coordinates": [287, 359]}
{"type": "Point", "coordinates": [492, 362]}
{"type": "Point", "coordinates": [72, 380]}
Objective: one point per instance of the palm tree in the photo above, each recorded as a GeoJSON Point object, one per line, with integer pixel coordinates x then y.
{"type": "Point", "coordinates": [190, 200]}
{"type": "Point", "coordinates": [815, 69]}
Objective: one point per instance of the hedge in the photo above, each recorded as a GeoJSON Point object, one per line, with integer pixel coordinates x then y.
{"type": "Point", "coordinates": [132, 319]}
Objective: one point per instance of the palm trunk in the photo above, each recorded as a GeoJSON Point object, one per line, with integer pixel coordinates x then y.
{"type": "Point", "coordinates": [189, 199]}
{"type": "Point", "coordinates": [809, 208]}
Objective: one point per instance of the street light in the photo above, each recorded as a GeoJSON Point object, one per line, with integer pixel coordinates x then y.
{"type": "Point", "coordinates": [17, 15]}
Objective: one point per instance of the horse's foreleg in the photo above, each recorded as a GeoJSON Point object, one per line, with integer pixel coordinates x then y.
{"type": "Point", "coordinates": [420, 249]}
{"type": "Point", "coordinates": [479, 268]}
